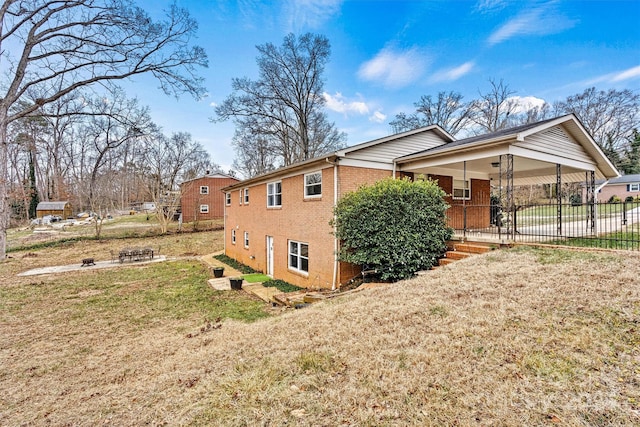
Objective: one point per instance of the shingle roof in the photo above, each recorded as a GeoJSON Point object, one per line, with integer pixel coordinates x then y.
{"type": "Point", "coordinates": [51, 206]}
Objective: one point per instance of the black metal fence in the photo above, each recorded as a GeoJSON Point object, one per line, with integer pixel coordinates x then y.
{"type": "Point", "coordinates": [603, 225]}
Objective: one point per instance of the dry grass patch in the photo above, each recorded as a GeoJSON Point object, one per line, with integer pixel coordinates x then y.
{"type": "Point", "coordinates": [510, 338]}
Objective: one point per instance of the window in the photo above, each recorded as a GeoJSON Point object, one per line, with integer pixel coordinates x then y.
{"type": "Point", "coordinates": [274, 194]}
{"type": "Point", "coordinates": [634, 187]}
{"type": "Point", "coordinates": [246, 196]}
{"type": "Point", "coordinates": [204, 189]}
{"type": "Point", "coordinates": [313, 184]}
{"type": "Point", "coordinates": [204, 208]}
{"type": "Point", "coordinates": [228, 199]}
{"type": "Point", "coordinates": [233, 236]}
{"type": "Point", "coordinates": [246, 239]}
{"type": "Point", "coordinates": [240, 196]}
{"type": "Point", "coordinates": [299, 256]}
{"type": "Point", "coordinates": [461, 189]}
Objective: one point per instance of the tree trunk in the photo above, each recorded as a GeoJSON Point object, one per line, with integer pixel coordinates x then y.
{"type": "Point", "coordinates": [5, 212]}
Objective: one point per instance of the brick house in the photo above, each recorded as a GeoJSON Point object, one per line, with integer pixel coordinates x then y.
{"type": "Point", "coordinates": [202, 198]}
{"type": "Point", "coordinates": [622, 187]}
{"type": "Point", "coordinates": [278, 222]}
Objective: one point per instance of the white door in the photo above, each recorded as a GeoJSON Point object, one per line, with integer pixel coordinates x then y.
{"type": "Point", "coordinates": [270, 256]}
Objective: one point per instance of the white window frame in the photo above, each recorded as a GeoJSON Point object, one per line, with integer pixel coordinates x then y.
{"type": "Point", "coordinates": [204, 189]}
{"type": "Point", "coordinates": [307, 186]}
{"type": "Point", "coordinates": [233, 236]}
{"type": "Point", "coordinates": [272, 194]}
{"type": "Point", "coordinates": [240, 196]}
{"type": "Point", "coordinates": [246, 239]}
{"type": "Point", "coordinates": [227, 200]}
{"type": "Point", "coordinates": [246, 196]}
{"type": "Point", "coordinates": [634, 187]}
{"type": "Point", "coordinates": [204, 208]}
{"type": "Point", "coordinates": [294, 252]}
{"type": "Point", "coordinates": [465, 188]}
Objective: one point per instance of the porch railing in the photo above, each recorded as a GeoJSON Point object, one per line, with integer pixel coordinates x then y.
{"type": "Point", "coordinates": [603, 225]}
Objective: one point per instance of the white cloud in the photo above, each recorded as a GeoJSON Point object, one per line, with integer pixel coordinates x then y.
{"type": "Point", "coordinates": [525, 103]}
{"type": "Point", "coordinates": [394, 68]}
{"type": "Point", "coordinates": [537, 21]}
{"type": "Point", "coordinates": [629, 74]}
{"type": "Point", "coordinates": [310, 13]}
{"type": "Point", "coordinates": [615, 77]}
{"type": "Point", "coordinates": [453, 74]}
{"type": "Point", "coordinates": [377, 117]}
{"type": "Point", "coordinates": [339, 104]}
{"type": "Point", "coordinates": [485, 6]}
{"type": "Point", "coordinates": [213, 104]}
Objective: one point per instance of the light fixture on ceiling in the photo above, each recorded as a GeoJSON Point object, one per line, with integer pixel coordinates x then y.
{"type": "Point", "coordinates": [495, 164]}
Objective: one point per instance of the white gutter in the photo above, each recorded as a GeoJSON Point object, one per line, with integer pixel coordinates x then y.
{"type": "Point", "coordinates": [597, 190]}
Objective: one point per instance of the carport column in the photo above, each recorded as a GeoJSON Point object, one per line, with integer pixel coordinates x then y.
{"type": "Point", "coordinates": [591, 199]}
{"type": "Point", "coordinates": [559, 197]}
{"type": "Point", "coordinates": [510, 203]}
{"type": "Point", "coordinates": [506, 179]}
{"type": "Point", "coordinates": [464, 199]}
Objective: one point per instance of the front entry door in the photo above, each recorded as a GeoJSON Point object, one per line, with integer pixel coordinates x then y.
{"type": "Point", "coordinates": [270, 256]}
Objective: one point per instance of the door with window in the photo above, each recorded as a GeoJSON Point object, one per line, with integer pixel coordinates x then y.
{"type": "Point", "coordinates": [270, 256]}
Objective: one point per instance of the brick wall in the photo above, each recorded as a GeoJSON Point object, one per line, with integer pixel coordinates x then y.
{"type": "Point", "coordinates": [478, 208]}
{"type": "Point", "coordinates": [191, 199]}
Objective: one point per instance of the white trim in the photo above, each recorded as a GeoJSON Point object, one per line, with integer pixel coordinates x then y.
{"type": "Point", "coordinates": [274, 205]}
{"type": "Point", "coordinates": [464, 189]}
{"type": "Point", "coordinates": [245, 193]}
{"type": "Point", "coordinates": [305, 186]}
{"type": "Point", "coordinates": [246, 239]}
{"type": "Point", "coordinates": [298, 256]}
{"type": "Point", "coordinates": [204, 208]}
{"type": "Point", "coordinates": [233, 236]}
{"type": "Point", "coordinates": [206, 191]}
{"type": "Point", "coordinates": [227, 198]}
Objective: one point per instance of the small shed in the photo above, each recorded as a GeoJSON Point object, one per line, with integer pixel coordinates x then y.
{"type": "Point", "coordinates": [62, 209]}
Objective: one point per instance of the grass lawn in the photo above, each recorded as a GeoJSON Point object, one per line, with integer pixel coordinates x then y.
{"type": "Point", "coordinates": [533, 337]}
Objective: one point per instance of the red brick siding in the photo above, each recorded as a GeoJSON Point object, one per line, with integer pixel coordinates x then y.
{"type": "Point", "coordinates": [478, 210]}
{"type": "Point", "coordinates": [191, 199]}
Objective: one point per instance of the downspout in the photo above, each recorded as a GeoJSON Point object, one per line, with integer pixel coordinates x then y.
{"type": "Point", "coordinates": [335, 239]}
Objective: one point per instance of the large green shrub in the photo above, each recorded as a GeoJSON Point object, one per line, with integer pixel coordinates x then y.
{"type": "Point", "coordinates": [395, 226]}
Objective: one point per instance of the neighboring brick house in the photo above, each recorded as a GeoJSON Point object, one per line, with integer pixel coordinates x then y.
{"type": "Point", "coordinates": [622, 187]}
{"type": "Point", "coordinates": [279, 222]}
{"type": "Point", "coordinates": [202, 198]}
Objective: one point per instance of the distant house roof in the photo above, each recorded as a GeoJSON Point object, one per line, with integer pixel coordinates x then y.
{"type": "Point", "coordinates": [624, 179]}
{"type": "Point", "coordinates": [51, 206]}
{"type": "Point", "coordinates": [211, 175]}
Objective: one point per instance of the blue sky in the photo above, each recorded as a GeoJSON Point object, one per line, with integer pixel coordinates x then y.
{"type": "Point", "coordinates": [386, 54]}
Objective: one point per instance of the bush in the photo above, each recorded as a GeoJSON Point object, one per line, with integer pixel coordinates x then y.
{"type": "Point", "coordinates": [235, 264]}
{"type": "Point", "coordinates": [395, 226]}
{"type": "Point", "coordinates": [614, 199]}
{"type": "Point", "coordinates": [575, 199]}
{"type": "Point", "coordinates": [281, 285]}
{"type": "Point", "coordinates": [628, 199]}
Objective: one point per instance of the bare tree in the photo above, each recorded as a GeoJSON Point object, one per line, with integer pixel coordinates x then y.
{"type": "Point", "coordinates": [447, 111]}
{"type": "Point", "coordinates": [609, 116]}
{"type": "Point", "coordinates": [495, 110]}
{"type": "Point", "coordinates": [54, 48]}
{"type": "Point", "coordinates": [284, 106]}
{"type": "Point", "coordinates": [168, 161]}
